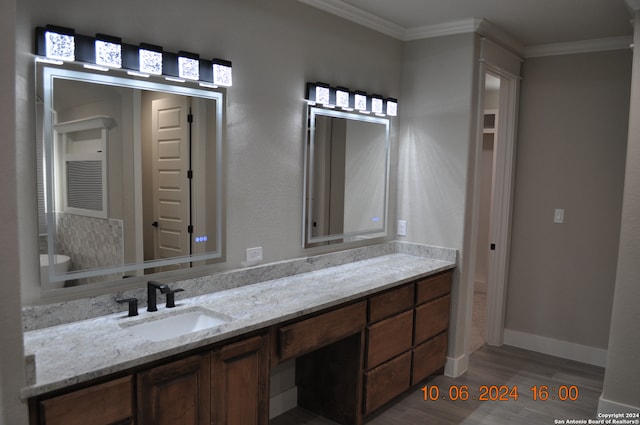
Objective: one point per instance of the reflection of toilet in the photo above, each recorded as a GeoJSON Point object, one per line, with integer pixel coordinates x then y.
{"type": "Point", "coordinates": [62, 266]}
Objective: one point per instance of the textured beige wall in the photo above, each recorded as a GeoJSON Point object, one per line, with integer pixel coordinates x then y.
{"type": "Point", "coordinates": [570, 154]}
{"type": "Point", "coordinates": [438, 109]}
{"type": "Point", "coordinates": [623, 368]}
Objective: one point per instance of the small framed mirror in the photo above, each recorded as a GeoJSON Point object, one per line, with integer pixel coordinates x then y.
{"type": "Point", "coordinates": [129, 175]}
{"type": "Point", "coordinates": [346, 176]}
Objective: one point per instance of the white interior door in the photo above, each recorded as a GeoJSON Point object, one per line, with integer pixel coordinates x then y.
{"type": "Point", "coordinates": [505, 66]}
{"type": "Point", "coordinates": [170, 140]}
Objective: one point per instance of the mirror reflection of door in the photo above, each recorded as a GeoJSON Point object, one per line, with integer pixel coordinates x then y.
{"type": "Point", "coordinates": [176, 204]}
{"type": "Point", "coordinates": [171, 157]}
{"type": "Point", "coordinates": [329, 179]}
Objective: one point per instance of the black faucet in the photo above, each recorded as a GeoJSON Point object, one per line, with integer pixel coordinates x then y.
{"type": "Point", "coordinates": [151, 294]}
{"type": "Point", "coordinates": [164, 289]}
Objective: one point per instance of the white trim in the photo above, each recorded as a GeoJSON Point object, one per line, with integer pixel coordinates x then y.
{"type": "Point", "coordinates": [456, 366]}
{"type": "Point", "coordinates": [359, 16]}
{"type": "Point", "coordinates": [446, 28]}
{"type": "Point", "coordinates": [283, 402]}
{"type": "Point", "coordinates": [471, 25]}
{"type": "Point", "coordinates": [556, 347]}
{"type": "Point", "coordinates": [608, 406]}
{"type": "Point", "coordinates": [584, 46]}
{"type": "Point", "coordinates": [487, 29]}
{"type": "Point", "coordinates": [501, 204]}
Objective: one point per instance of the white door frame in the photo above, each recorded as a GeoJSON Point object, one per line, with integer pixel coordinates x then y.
{"type": "Point", "coordinates": [504, 174]}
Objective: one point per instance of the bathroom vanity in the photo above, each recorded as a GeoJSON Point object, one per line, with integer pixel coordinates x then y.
{"type": "Point", "coordinates": [361, 334]}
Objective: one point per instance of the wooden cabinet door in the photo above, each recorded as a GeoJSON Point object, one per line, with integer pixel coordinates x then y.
{"type": "Point", "coordinates": [389, 338]}
{"type": "Point", "coordinates": [102, 404]}
{"type": "Point", "coordinates": [240, 388]}
{"type": "Point", "coordinates": [432, 318]}
{"type": "Point", "coordinates": [310, 334]}
{"type": "Point", "coordinates": [386, 382]}
{"type": "Point", "coordinates": [391, 302]}
{"type": "Point", "coordinates": [433, 287]}
{"type": "Point", "coordinates": [177, 393]}
{"type": "Point", "coordinates": [429, 357]}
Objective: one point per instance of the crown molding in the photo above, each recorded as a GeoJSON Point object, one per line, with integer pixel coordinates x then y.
{"type": "Point", "coordinates": [585, 46]}
{"type": "Point", "coordinates": [359, 16]}
{"type": "Point", "coordinates": [369, 20]}
{"type": "Point", "coordinates": [497, 35]}
{"type": "Point", "coordinates": [448, 28]}
{"type": "Point", "coordinates": [471, 25]}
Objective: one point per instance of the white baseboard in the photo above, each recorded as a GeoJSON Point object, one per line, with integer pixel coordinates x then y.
{"type": "Point", "coordinates": [608, 406]}
{"type": "Point", "coordinates": [555, 347]}
{"type": "Point", "coordinates": [455, 367]}
{"type": "Point", "coordinates": [283, 402]}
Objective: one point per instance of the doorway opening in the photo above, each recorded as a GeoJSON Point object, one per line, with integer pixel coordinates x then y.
{"type": "Point", "coordinates": [491, 107]}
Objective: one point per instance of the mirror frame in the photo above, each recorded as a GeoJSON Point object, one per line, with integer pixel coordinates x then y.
{"type": "Point", "coordinates": [312, 111]}
{"type": "Point", "coordinates": [74, 71]}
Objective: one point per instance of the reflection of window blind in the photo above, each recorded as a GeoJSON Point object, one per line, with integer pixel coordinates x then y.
{"type": "Point", "coordinates": [84, 185]}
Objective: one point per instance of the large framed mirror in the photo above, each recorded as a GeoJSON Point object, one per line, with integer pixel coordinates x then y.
{"type": "Point", "coordinates": [129, 175]}
{"type": "Point", "coordinates": [346, 176]}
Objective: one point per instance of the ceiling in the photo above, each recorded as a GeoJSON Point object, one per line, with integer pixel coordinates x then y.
{"type": "Point", "coordinates": [527, 22]}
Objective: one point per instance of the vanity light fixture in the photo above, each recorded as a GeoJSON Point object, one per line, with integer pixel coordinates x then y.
{"type": "Point", "coordinates": [361, 101]}
{"type": "Point", "coordinates": [377, 104]}
{"type": "Point", "coordinates": [323, 94]}
{"type": "Point", "coordinates": [189, 65]}
{"type": "Point", "coordinates": [56, 43]}
{"type": "Point", "coordinates": [344, 98]}
{"type": "Point", "coordinates": [392, 106]}
{"type": "Point", "coordinates": [318, 93]}
{"type": "Point", "coordinates": [105, 53]}
{"type": "Point", "coordinates": [150, 59]}
{"type": "Point", "coordinates": [108, 51]}
{"type": "Point", "coordinates": [222, 75]}
{"type": "Point", "coordinates": [341, 97]}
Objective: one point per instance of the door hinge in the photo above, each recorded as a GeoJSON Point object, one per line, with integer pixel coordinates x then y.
{"type": "Point", "coordinates": [190, 228]}
{"type": "Point", "coordinates": [190, 174]}
{"type": "Point", "coordinates": [492, 247]}
{"type": "Point", "coordinates": [190, 118]}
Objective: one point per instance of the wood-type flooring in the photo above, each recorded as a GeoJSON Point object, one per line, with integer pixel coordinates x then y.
{"type": "Point", "coordinates": [490, 366]}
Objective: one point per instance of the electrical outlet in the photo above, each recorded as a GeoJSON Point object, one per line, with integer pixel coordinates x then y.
{"type": "Point", "coordinates": [254, 254]}
{"type": "Point", "coordinates": [558, 216]}
{"type": "Point", "coordinates": [402, 227]}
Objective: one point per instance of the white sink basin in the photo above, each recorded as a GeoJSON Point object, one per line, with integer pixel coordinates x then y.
{"type": "Point", "coordinates": [178, 324]}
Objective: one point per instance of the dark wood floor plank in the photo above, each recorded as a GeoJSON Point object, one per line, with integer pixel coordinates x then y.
{"type": "Point", "coordinates": [490, 366]}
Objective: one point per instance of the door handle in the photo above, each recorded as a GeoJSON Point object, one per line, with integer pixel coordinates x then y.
{"type": "Point", "coordinates": [154, 224]}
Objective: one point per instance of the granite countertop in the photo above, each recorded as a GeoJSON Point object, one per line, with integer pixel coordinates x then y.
{"type": "Point", "coordinates": [80, 351]}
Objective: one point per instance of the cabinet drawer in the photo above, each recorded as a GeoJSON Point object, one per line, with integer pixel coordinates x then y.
{"type": "Point", "coordinates": [386, 382]}
{"type": "Point", "coordinates": [433, 287]}
{"type": "Point", "coordinates": [431, 319]}
{"type": "Point", "coordinates": [310, 334]}
{"type": "Point", "coordinates": [392, 302]}
{"type": "Point", "coordinates": [101, 404]}
{"type": "Point", "coordinates": [429, 357]}
{"type": "Point", "coordinates": [389, 338]}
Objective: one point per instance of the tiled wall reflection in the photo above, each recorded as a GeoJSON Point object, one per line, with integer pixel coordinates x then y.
{"type": "Point", "coordinates": [90, 242]}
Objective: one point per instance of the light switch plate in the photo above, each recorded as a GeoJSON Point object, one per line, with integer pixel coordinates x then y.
{"type": "Point", "coordinates": [558, 216]}
{"type": "Point", "coordinates": [254, 254]}
{"type": "Point", "coordinates": [402, 227]}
